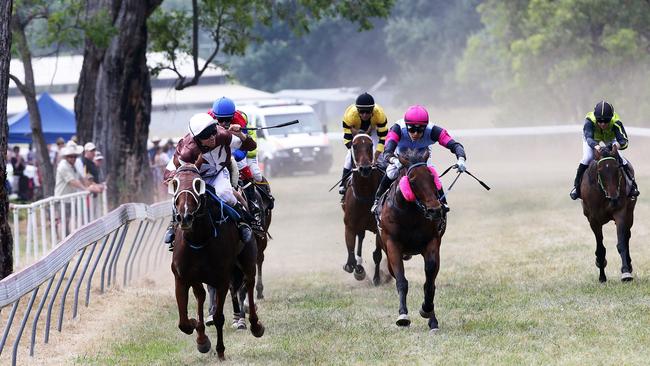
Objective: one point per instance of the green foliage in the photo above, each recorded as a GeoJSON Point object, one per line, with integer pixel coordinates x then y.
{"type": "Point", "coordinates": [232, 25]}
{"type": "Point", "coordinates": [53, 26]}
{"type": "Point", "coordinates": [557, 58]}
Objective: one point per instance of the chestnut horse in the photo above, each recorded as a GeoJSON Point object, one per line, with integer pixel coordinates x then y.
{"type": "Point", "coordinates": [604, 192]}
{"type": "Point", "coordinates": [207, 249]}
{"type": "Point", "coordinates": [358, 199]}
{"type": "Point", "coordinates": [413, 222]}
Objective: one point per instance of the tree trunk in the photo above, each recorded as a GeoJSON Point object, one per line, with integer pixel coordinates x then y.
{"type": "Point", "coordinates": [6, 240]}
{"type": "Point", "coordinates": [123, 104]}
{"type": "Point", "coordinates": [28, 89]}
{"type": "Point", "coordinates": [84, 101]}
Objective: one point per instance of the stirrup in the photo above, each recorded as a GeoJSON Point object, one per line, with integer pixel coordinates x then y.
{"type": "Point", "coordinates": [342, 190]}
{"type": "Point", "coordinates": [574, 194]}
{"type": "Point", "coordinates": [169, 235]}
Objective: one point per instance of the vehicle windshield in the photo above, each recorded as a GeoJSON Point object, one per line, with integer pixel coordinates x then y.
{"type": "Point", "coordinates": [308, 123]}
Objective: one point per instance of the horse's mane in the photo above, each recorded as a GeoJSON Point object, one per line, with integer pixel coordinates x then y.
{"type": "Point", "coordinates": [188, 167]}
{"type": "Point", "coordinates": [414, 156]}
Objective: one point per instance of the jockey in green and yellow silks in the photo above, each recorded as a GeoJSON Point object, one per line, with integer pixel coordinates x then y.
{"type": "Point", "coordinates": [602, 125]}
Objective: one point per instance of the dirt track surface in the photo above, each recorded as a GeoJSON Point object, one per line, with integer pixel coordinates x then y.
{"type": "Point", "coordinates": [308, 230]}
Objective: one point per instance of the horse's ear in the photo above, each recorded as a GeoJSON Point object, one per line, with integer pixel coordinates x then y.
{"type": "Point", "coordinates": [199, 186]}
{"type": "Point", "coordinates": [172, 186]}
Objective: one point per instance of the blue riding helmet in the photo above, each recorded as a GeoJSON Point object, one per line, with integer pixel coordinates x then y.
{"type": "Point", "coordinates": [223, 107]}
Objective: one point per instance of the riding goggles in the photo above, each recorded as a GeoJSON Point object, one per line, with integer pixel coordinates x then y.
{"type": "Point", "coordinates": [364, 110]}
{"type": "Point", "coordinates": [415, 128]}
{"type": "Point", "coordinates": [225, 121]}
{"type": "Point", "coordinates": [207, 132]}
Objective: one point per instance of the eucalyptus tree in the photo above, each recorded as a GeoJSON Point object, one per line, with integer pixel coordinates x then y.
{"type": "Point", "coordinates": [6, 240]}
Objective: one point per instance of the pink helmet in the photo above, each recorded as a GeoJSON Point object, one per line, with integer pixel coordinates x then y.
{"type": "Point", "coordinates": [416, 115]}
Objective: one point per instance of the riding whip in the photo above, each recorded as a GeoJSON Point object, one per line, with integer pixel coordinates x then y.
{"type": "Point", "coordinates": [451, 186]}
{"type": "Point", "coordinates": [478, 180]}
{"type": "Point", "coordinates": [276, 126]}
{"type": "Point", "coordinates": [340, 180]}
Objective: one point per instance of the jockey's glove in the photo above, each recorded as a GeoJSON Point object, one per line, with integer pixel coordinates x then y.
{"type": "Point", "coordinates": [461, 164]}
{"type": "Point", "coordinates": [395, 161]}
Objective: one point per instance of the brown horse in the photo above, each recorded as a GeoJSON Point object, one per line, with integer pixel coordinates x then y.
{"type": "Point", "coordinates": [604, 192]}
{"type": "Point", "coordinates": [358, 199]}
{"type": "Point", "coordinates": [413, 222]}
{"type": "Point", "coordinates": [206, 250]}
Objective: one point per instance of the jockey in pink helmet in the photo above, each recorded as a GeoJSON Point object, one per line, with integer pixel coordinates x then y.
{"type": "Point", "coordinates": [415, 132]}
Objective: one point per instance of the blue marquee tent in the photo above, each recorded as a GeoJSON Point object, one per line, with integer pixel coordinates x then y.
{"type": "Point", "coordinates": [57, 121]}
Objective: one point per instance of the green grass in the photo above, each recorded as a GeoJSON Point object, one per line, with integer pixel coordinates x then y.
{"type": "Point", "coordinates": [325, 318]}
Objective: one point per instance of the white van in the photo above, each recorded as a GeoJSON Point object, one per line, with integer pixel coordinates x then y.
{"type": "Point", "coordinates": [300, 147]}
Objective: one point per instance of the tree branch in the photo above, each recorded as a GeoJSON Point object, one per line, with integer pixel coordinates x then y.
{"type": "Point", "coordinates": [195, 36]}
{"type": "Point", "coordinates": [19, 84]}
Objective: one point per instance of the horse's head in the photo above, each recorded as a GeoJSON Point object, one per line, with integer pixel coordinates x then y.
{"type": "Point", "coordinates": [188, 189]}
{"type": "Point", "coordinates": [362, 153]}
{"type": "Point", "coordinates": [609, 172]}
{"type": "Point", "coordinates": [422, 183]}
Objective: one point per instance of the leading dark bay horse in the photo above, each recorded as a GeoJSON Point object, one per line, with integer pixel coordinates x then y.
{"type": "Point", "coordinates": [604, 192]}
{"type": "Point", "coordinates": [413, 222]}
{"type": "Point", "coordinates": [207, 249]}
{"type": "Point", "coordinates": [358, 199]}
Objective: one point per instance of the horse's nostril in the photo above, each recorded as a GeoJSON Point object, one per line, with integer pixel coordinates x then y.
{"type": "Point", "coordinates": [189, 217]}
{"type": "Point", "coordinates": [178, 218]}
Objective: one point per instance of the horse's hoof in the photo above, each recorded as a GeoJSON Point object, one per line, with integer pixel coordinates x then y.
{"type": "Point", "coordinates": [434, 331]}
{"type": "Point", "coordinates": [348, 268]}
{"type": "Point", "coordinates": [221, 356]}
{"type": "Point", "coordinates": [260, 296]}
{"type": "Point", "coordinates": [205, 347]}
{"type": "Point", "coordinates": [359, 273]}
{"type": "Point", "coordinates": [626, 277]}
{"type": "Point", "coordinates": [602, 279]}
{"type": "Point", "coordinates": [426, 314]}
{"type": "Point", "coordinates": [257, 330]}
{"type": "Point", "coordinates": [376, 281]}
{"type": "Point", "coordinates": [403, 320]}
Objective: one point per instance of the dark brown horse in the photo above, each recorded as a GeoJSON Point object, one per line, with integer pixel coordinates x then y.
{"type": "Point", "coordinates": [358, 199]}
{"type": "Point", "coordinates": [206, 250]}
{"type": "Point", "coordinates": [604, 192]}
{"type": "Point", "coordinates": [413, 222]}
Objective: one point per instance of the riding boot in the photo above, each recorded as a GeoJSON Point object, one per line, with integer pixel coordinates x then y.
{"type": "Point", "coordinates": [254, 207]}
{"type": "Point", "coordinates": [245, 231]}
{"type": "Point", "coordinates": [344, 181]}
{"type": "Point", "coordinates": [634, 192]}
{"type": "Point", "coordinates": [170, 234]}
{"type": "Point", "coordinates": [575, 193]}
{"type": "Point", "coordinates": [383, 186]}
{"type": "Point", "coordinates": [443, 200]}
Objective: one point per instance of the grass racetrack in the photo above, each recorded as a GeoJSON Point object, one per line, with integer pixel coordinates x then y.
{"type": "Point", "coordinates": [517, 284]}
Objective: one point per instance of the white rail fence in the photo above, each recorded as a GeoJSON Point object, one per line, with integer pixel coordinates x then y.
{"type": "Point", "coordinates": [39, 226]}
{"type": "Point", "coordinates": [102, 250]}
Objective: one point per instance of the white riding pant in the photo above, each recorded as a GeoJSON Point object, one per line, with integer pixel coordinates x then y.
{"type": "Point", "coordinates": [588, 153]}
{"type": "Point", "coordinates": [252, 164]}
{"type": "Point", "coordinates": [347, 164]}
{"type": "Point", "coordinates": [222, 187]}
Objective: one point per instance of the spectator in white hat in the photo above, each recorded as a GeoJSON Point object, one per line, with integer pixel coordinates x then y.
{"type": "Point", "coordinates": [90, 169]}
{"type": "Point", "coordinates": [68, 179]}
{"type": "Point", "coordinates": [99, 162]}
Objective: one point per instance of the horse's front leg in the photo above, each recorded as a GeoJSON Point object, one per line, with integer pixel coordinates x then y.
{"type": "Point", "coordinates": [186, 325]}
{"type": "Point", "coordinates": [219, 319]}
{"type": "Point", "coordinates": [259, 285]}
{"type": "Point", "coordinates": [623, 234]}
{"type": "Point", "coordinates": [394, 255]}
{"type": "Point", "coordinates": [202, 340]}
{"type": "Point", "coordinates": [376, 257]}
{"type": "Point", "coordinates": [359, 271]}
{"type": "Point", "coordinates": [350, 238]}
{"type": "Point", "coordinates": [431, 268]}
{"type": "Point", "coordinates": [601, 261]}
